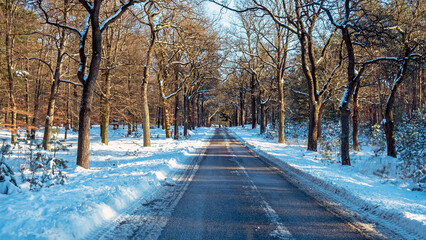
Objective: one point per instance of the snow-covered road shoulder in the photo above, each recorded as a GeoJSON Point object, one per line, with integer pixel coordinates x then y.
{"type": "Point", "coordinates": [391, 209]}
{"type": "Point", "coordinates": [121, 175]}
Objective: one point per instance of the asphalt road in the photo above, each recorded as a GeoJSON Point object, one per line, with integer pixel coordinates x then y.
{"type": "Point", "coordinates": [235, 195]}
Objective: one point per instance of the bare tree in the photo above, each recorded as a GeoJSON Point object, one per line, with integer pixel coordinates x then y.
{"type": "Point", "coordinates": [10, 10]}
{"type": "Point", "coordinates": [56, 72]}
{"type": "Point", "coordinates": [153, 10]}
{"type": "Point", "coordinates": [92, 22]}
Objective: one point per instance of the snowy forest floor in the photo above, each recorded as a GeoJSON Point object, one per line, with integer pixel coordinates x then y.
{"type": "Point", "coordinates": [125, 173]}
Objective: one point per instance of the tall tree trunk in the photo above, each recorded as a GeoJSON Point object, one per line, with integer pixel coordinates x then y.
{"type": "Point", "coordinates": [345, 112]}
{"type": "Point", "coordinates": [88, 90]}
{"type": "Point", "coordinates": [198, 111]}
{"type": "Point", "coordinates": [9, 47]}
{"type": "Point", "coordinates": [242, 119]}
{"type": "Point", "coordinates": [203, 114]}
{"type": "Point", "coordinates": [344, 124]}
{"type": "Point", "coordinates": [273, 120]}
{"type": "Point", "coordinates": [262, 118]}
{"type": "Point", "coordinates": [145, 112]}
{"type": "Point", "coordinates": [246, 117]}
{"type": "Point", "coordinates": [50, 116]}
{"type": "Point", "coordinates": [236, 115]}
{"type": "Point", "coordinates": [74, 116]}
{"type": "Point", "coordinates": [37, 93]}
{"type": "Point", "coordinates": [185, 113]}
{"type": "Point", "coordinates": [355, 119]}
{"type": "Point", "coordinates": [129, 128]}
{"type": "Point", "coordinates": [84, 126]}
{"type": "Point", "coordinates": [253, 101]}
{"type": "Point", "coordinates": [159, 117]}
{"type": "Point", "coordinates": [307, 51]}
{"type": "Point", "coordinates": [166, 119]}
{"type": "Point", "coordinates": [105, 108]}
{"type": "Point", "coordinates": [313, 127]}
{"type": "Point", "coordinates": [145, 80]}
{"type": "Point", "coordinates": [52, 104]}
{"type": "Point", "coordinates": [176, 130]}
{"type": "Point", "coordinates": [390, 135]}
{"type": "Point", "coordinates": [281, 108]}
{"type": "Point", "coordinates": [319, 127]}
{"type": "Point", "coordinates": [67, 124]}
{"type": "Point", "coordinates": [191, 113]}
{"type": "Point", "coordinates": [27, 103]}
{"type": "Point", "coordinates": [388, 120]}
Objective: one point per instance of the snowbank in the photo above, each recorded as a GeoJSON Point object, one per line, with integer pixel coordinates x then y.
{"type": "Point", "coordinates": [391, 204]}
{"type": "Point", "coordinates": [121, 175]}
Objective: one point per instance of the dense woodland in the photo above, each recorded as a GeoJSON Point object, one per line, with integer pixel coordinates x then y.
{"type": "Point", "coordinates": [76, 63]}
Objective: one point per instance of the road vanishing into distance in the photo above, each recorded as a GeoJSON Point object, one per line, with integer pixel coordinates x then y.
{"type": "Point", "coordinates": [235, 195]}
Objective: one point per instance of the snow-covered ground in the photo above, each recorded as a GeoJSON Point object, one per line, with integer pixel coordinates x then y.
{"type": "Point", "coordinates": [120, 175]}
{"type": "Point", "coordinates": [388, 201]}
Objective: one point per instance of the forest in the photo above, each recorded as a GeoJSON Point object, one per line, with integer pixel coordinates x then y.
{"type": "Point", "coordinates": [353, 66]}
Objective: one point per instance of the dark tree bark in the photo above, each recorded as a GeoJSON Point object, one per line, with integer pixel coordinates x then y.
{"type": "Point", "coordinates": [308, 57]}
{"type": "Point", "coordinates": [388, 118]}
{"type": "Point", "coordinates": [193, 114]}
{"type": "Point", "coordinates": [185, 113]}
{"type": "Point", "coordinates": [281, 109]}
{"type": "Point", "coordinates": [242, 118]}
{"type": "Point", "coordinates": [352, 81]}
{"type": "Point", "coordinates": [89, 80]}
{"type": "Point", "coordinates": [319, 128]}
{"type": "Point", "coordinates": [129, 128]}
{"type": "Point", "coordinates": [198, 111]}
{"type": "Point", "coordinates": [176, 130]}
{"type": "Point", "coordinates": [166, 119]}
{"type": "Point", "coordinates": [262, 119]}
{"type": "Point", "coordinates": [159, 116]}
{"type": "Point", "coordinates": [89, 88]}
{"type": "Point", "coordinates": [74, 119]}
{"type": "Point", "coordinates": [355, 119]}
{"type": "Point", "coordinates": [203, 114]}
{"type": "Point", "coordinates": [27, 103]}
{"type": "Point", "coordinates": [262, 113]}
{"type": "Point", "coordinates": [67, 113]}
{"type": "Point", "coordinates": [253, 100]}
{"type": "Point", "coordinates": [105, 112]}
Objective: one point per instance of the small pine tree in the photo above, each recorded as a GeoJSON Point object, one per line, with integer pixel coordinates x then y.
{"type": "Point", "coordinates": [379, 141]}
{"type": "Point", "coordinates": [46, 171]}
{"type": "Point", "coordinates": [7, 179]}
